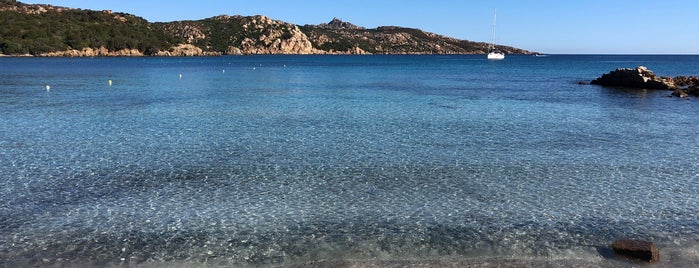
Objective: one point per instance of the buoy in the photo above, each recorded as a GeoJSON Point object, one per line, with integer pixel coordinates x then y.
{"type": "Point", "coordinates": [110, 82]}
{"type": "Point", "coordinates": [254, 68]}
{"type": "Point", "coordinates": [224, 71]}
{"type": "Point", "coordinates": [180, 76]}
{"type": "Point", "coordinates": [48, 88]}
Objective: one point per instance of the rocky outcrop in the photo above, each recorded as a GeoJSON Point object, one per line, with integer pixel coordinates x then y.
{"type": "Point", "coordinates": [94, 52]}
{"type": "Point", "coordinates": [268, 36]}
{"type": "Point", "coordinates": [640, 77]}
{"type": "Point", "coordinates": [30, 9]}
{"type": "Point", "coordinates": [643, 78]}
{"type": "Point", "coordinates": [186, 50]}
{"type": "Point", "coordinates": [637, 249]}
{"type": "Point", "coordinates": [686, 92]}
{"type": "Point", "coordinates": [338, 37]}
{"type": "Point", "coordinates": [686, 81]}
{"type": "Point", "coordinates": [181, 50]}
{"type": "Point", "coordinates": [190, 33]}
{"type": "Point", "coordinates": [337, 24]}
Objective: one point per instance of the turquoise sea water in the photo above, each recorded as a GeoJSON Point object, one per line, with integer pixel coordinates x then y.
{"type": "Point", "coordinates": [273, 160]}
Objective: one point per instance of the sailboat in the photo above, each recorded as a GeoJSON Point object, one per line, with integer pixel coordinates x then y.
{"type": "Point", "coordinates": [494, 53]}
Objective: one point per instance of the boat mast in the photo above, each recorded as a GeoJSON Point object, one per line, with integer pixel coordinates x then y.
{"type": "Point", "coordinates": [492, 35]}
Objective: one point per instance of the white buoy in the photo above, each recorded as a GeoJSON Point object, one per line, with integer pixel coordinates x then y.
{"type": "Point", "coordinates": [180, 76]}
{"type": "Point", "coordinates": [223, 71]}
{"type": "Point", "coordinates": [254, 68]}
{"type": "Point", "coordinates": [110, 82]}
{"type": "Point", "coordinates": [48, 88]}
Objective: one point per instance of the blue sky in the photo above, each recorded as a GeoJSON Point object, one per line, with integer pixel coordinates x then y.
{"type": "Point", "coordinates": [549, 26]}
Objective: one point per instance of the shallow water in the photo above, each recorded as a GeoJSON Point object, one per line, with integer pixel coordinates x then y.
{"type": "Point", "coordinates": [299, 159]}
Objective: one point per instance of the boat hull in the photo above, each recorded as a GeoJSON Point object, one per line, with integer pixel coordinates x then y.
{"type": "Point", "coordinates": [496, 56]}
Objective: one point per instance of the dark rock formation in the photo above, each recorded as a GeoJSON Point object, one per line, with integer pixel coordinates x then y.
{"type": "Point", "coordinates": [640, 77]}
{"type": "Point", "coordinates": [683, 81]}
{"type": "Point", "coordinates": [680, 93]}
{"type": "Point", "coordinates": [637, 249]}
{"type": "Point", "coordinates": [686, 92]}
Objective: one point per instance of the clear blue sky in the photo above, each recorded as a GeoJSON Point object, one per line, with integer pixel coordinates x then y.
{"type": "Point", "coordinates": [549, 26]}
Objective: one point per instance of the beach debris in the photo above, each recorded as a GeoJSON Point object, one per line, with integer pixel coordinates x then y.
{"type": "Point", "coordinates": [637, 249]}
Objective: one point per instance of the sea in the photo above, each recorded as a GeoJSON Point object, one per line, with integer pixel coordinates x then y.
{"type": "Point", "coordinates": [320, 161]}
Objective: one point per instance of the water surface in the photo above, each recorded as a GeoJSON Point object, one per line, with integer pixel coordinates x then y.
{"type": "Point", "coordinates": [266, 160]}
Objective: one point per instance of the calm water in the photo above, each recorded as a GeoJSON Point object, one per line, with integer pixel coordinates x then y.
{"type": "Point", "coordinates": [294, 159]}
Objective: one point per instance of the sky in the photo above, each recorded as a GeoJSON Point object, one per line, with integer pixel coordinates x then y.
{"type": "Point", "coordinates": [546, 26]}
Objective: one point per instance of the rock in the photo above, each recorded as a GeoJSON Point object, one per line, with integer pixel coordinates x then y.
{"type": "Point", "coordinates": [683, 81]}
{"type": "Point", "coordinates": [275, 37]}
{"type": "Point", "coordinates": [693, 90]}
{"type": "Point", "coordinates": [640, 77]}
{"type": "Point", "coordinates": [93, 52]}
{"type": "Point", "coordinates": [637, 249]}
{"type": "Point", "coordinates": [680, 93]}
{"type": "Point", "coordinates": [233, 51]}
{"type": "Point", "coordinates": [338, 24]}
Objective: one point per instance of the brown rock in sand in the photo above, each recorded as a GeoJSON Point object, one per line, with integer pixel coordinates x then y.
{"type": "Point", "coordinates": [638, 249]}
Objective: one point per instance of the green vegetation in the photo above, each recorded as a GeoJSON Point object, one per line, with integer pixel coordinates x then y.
{"type": "Point", "coordinates": [39, 29]}
{"type": "Point", "coordinates": [54, 30]}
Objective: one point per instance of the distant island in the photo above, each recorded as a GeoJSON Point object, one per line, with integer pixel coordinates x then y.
{"type": "Point", "coordinates": [46, 30]}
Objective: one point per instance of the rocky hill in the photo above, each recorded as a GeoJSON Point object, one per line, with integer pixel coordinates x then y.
{"type": "Point", "coordinates": [45, 30]}
{"type": "Point", "coordinates": [334, 37]}
{"type": "Point", "coordinates": [235, 35]}
{"type": "Point", "coordinates": [262, 35]}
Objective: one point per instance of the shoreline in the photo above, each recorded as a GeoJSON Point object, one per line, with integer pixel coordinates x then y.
{"type": "Point", "coordinates": [599, 258]}
{"type": "Point", "coordinates": [224, 55]}
{"type": "Point", "coordinates": [504, 262]}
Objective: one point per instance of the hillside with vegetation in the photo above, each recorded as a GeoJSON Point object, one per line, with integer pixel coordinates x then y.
{"type": "Point", "coordinates": [45, 30]}
{"type": "Point", "coordinates": [343, 36]}
{"type": "Point", "coordinates": [37, 29]}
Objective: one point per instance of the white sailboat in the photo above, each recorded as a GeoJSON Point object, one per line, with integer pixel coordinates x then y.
{"type": "Point", "coordinates": [494, 53]}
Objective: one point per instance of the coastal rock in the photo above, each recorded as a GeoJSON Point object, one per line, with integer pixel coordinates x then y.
{"type": "Point", "coordinates": [637, 249]}
{"type": "Point", "coordinates": [93, 52]}
{"type": "Point", "coordinates": [275, 37]}
{"type": "Point", "coordinates": [693, 90]}
{"type": "Point", "coordinates": [686, 92]}
{"type": "Point", "coordinates": [186, 50]}
{"type": "Point", "coordinates": [683, 81]}
{"type": "Point", "coordinates": [640, 77]}
{"type": "Point", "coordinates": [680, 93]}
{"type": "Point", "coordinates": [231, 50]}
